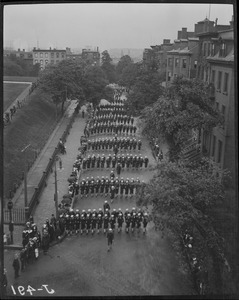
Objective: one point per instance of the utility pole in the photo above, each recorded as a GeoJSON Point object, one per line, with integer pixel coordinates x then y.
{"type": "Point", "coordinates": [25, 179]}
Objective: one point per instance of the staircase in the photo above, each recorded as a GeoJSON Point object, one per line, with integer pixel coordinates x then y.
{"type": "Point", "coordinates": [191, 153]}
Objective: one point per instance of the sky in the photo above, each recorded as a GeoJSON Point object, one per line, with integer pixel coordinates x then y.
{"type": "Point", "coordinates": [106, 25]}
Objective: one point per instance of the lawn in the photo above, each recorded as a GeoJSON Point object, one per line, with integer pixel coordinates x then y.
{"type": "Point", "coordinates": [19, 78]}
{"type": "Point", "coordinates": [11, 91]}
{"type": "Point", "coordinates": [32, 124]}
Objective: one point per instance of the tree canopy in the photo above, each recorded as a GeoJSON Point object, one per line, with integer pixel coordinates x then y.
{"type": "Point", "coordinates": [124, 62]}
{"type": "Point", "coordinates": [14, 66]}
{"type": "Point", "coordinates": [145, 91]}
{"type": "Point", "coordinates": [184, 107]}
{"type": "Point", "coordinates": [108, 67]}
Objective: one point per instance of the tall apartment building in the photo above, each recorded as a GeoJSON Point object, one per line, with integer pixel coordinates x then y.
{"type": "Point", "coordinates": [48, 56]}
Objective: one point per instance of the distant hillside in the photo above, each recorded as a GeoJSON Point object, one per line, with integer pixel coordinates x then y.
{"type": "Point", "coordinates": [117, 53]}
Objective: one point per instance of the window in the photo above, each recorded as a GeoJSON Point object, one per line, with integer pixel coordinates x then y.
{"type": "Point", "coordinates": [195, 64]}
{"type": "Point", "coordinates": [225, 87]}
{"type": "Point", "coordinates": [41, 61]}
{"type": "Point", "coordinates": [219, 80]}
{"type": "Point", "coordinates": [57, 61]}
{"type": "Point", "coordinates": [209, 49]}
{"type": "Point", "coordinates": [219, 151]}
{"type": "Point", "coordinates": [46, 62]}
{"type": "Point", "coordinates": [175, 76]}
{"type": "Point", "coordinates": [184, 63]}
{"type": "Point", "coordinates": [41, 54]}
{"type": "Point", "coordinates": [52, 54]}
{"type": "Point", "coordinates": [176, 62]}
{"type": "Point", "coordinates": [52, 61]}
{"type": "Point", "coordinates": [36, 54]}
{"type": "Point", "coordinates": [62, 55]}
{"type": "Point", "coordinates": [204, 49]}
{"type": "Point", "coordinates": [169, 76]}
{"type": "Point", "coordinates": [46, 55]}
{"type": "Point", "coordinates": [213, 145]}
{"type": "Point", "coordinates": [222, 51]}
{"type": "Point", "coordinates": [57, 55]}
{"type": "Point", "coordinates": [170, 62]}
{"type": "Point", "coordinates": [213, 50]}
{"type": "Point", "coordinates": [213, 77]}
{"type": "Point", "coordinates": [223, 113]}
{"type": "Point", "coordinates": [36, 61]}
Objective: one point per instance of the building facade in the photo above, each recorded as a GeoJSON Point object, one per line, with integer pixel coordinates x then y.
{"type": "Point", "coordinates": [48, 56]}
{"type": "Point", "coordinates": [220, 143]}
{"type": "Point", "coordinates": [91, 57]}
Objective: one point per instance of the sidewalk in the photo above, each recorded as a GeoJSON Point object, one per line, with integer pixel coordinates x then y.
{"type": "Point", "coordinates": [35, 173]}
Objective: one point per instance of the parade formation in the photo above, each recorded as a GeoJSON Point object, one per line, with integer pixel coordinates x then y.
{"type": "Point", "coordinates": [111, 118]}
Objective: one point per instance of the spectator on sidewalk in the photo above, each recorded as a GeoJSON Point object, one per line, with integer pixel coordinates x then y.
{"type": "Point", "coordinates": [110, 238]}
{"type": "Point", "coordinates": [16, 265]}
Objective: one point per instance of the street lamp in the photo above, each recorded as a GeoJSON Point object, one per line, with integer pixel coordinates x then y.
{"type": "Point", "coordinates": [11, 227]}
{"type": "Point", "coordinates": [25, 179]}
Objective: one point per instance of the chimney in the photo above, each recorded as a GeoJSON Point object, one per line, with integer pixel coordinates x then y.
{"type": "Point", "coordinates": [97, 49]}
{"type": "Point", "coordinates": [23, 50]}
{"type": "Point", "coordinates": [34, 48]}
{"type": "Point", "coordinates": [184, 33]}
{"type": "Point", "coordinates": [166, 41]}
{"type": "Point", "coordinates": [50, 48]}
{"type": "Point", "coordinates": [18, 49]}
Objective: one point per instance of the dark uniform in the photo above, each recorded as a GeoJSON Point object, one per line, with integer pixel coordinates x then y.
{"type": "Point", "coordinates": [106, 222]}
{"type": "Point", "coordinates": [120, 220]}
{"type": "Point", "coordinates": [145, 221]}
{"type": "Point", "coordinates": [116, 186]}
{"type": "Point", "coordinates": [133, 222]}
{"type": "Point", "coordinates": [112, 221]}
{"type": "Point", "coordinates": [127, 222]}
{"type": "Point", "coordinates": [127, 187]}
{"type": "Point", "coordinates": [77, 222]}
{"type": "Point", "coordinates": [122, 186]}
{"type": "Point", "coordinates": [88, 222]}
{"type": "Point", "coordinates": [83, 221]}
{"type": "Point", "coordinates": [146, 161]}
{"type": "Point", "coordinates": [107, 186]}
{"type": "Point", "coordinates": [93, 223]}
{"type": "Point", "coordinates": [100, 220]}
{"type": "Point", "coordinates": [106, 206]}
{"type": "Point", "coordinates": [97, 185]}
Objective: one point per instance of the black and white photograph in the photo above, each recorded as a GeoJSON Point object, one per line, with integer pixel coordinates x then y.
{"type": "Point", "coordinates": [119, 150]}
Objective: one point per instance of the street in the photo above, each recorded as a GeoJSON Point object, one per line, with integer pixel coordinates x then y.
{"type": "Point", "coordinates": [81, 266]}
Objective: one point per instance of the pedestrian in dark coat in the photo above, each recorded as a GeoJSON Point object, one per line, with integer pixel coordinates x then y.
{"type": "Point", "coordinates": [110, 238]}
{"type": "Point", "coordinates": [83, 114]}
{"type": "Point", "coordinates": [16, 266]}
{"type": "Point", "coordinates": [118, 169]}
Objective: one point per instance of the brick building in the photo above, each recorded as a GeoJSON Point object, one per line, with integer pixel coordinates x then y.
{"type": "Point", "coordinates": [182, 59]}
{"type": "Point", "coordinates": [220, 143]}
{"type": "Point", "coordinates": [91, 57]}
{"type": "Point", "coordinates": [48, 56]}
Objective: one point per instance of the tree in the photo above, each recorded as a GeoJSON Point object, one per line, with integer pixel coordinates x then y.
{"type": "Point", "coordinates": [94, 84]}
{"type": "Point", "coordinates": [144, 92]}
{"type": "Point", "coordinates": [124, 62]}
{"type": "Point", "coordinates": [108, 67]}
{"type": "Point", "coordinates": [184, 107]}
{"type": "Point", "coordinates": [63, 80]}
{"type": "Point", "coordinates": [129, 75]}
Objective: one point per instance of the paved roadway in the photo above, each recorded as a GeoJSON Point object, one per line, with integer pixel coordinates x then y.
{"type": "Point", "coordinates": [81, 265]}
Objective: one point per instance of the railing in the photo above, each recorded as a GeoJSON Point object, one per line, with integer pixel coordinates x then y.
{"type": "Point", "coordinates": [18, 216]}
